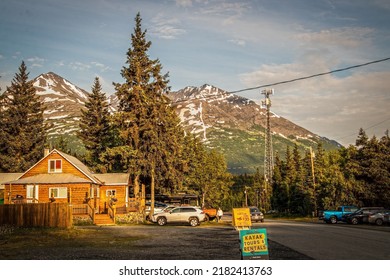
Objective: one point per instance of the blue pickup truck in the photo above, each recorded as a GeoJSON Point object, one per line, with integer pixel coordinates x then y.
{"type": "Point", "coordinates": [334, 216]}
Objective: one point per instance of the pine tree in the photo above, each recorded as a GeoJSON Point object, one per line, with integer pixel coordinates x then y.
{"type": "Point", "coordinates": [22, 128]}
{"type": "Point", "coordinates": [371, 162]}
{"type": "Point", "coordinates": [95, 130]}
{"type": "Point", "coordinates": [148, 128]}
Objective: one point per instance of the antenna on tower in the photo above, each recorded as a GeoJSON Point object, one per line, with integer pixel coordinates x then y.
{"type": "Point", "coordinates": [268, 157]}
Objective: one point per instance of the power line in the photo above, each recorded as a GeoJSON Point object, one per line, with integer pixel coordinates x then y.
{"type": "Point", "coordinates": [312, 76]}
{"type": "Point", "coordinates": [371, 126]}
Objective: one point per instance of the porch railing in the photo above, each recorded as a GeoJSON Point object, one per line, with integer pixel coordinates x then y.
{"type": "Point", "coordinates": [83, 209]}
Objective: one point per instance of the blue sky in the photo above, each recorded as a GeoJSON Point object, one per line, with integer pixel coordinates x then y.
{"type": "Point", "coordinates": [230, 44]}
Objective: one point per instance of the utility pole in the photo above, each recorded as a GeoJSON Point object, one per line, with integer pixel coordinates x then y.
{"type": "Point", "coordinates": [268, 157]}
{"type": "Point", "coordinates": [312, 155]}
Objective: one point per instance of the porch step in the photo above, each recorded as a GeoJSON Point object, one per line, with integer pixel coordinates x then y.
{"type": "Point", "coordinates": [103, 219]}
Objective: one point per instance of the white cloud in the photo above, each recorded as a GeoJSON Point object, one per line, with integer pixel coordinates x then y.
{"type": "Point", "coordinates": [36, 62]}
{"type": "Point", "coordinates": [228, 12]}
{"type": "Point", "coordinates": [184, 3]}
{"type": "Point", "coordinates": [345, 37]}
{"type": "Point", "coordinates": [238, 42]}
{"type": "Point", "coordinates": [100, 66]}
{"type": "Point", "coordinates": [36, 59]}
{"type": "Point", "coordinates": [79, 66]}
{"type": "Point", "coordinates": [166, 27]}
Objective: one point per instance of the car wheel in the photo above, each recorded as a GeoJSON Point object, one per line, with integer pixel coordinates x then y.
{"type": "Point", "coordinates": [354, 221]}
{"type": "Point", "coordinates": [161, 221]}
{"type": "Point", "coordinates": [379, 222]}
{"type": "Point", "coordinates": [262, 221]}
{"type": "Point", "coordinates": [194, 222]}
{"type": "Point", "coordinates": [333, 220]}
{"type": "Point", "coordinates": [207, 218]}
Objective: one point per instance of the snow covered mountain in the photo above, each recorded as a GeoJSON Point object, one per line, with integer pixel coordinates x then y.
{"type": "Point", "coordinates": [232, 124]}
{"type": "Point", "coordinates": [207, 107]}
{"type": "Point", "coordinates": [236, 126]}
{"type": "Point", "coordinates": [63, 102]}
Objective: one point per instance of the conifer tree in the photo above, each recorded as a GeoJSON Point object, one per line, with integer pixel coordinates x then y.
{"type": "Point", "coordinates": [22, 128]}
{"type": "Point", "coordinates": [148, 128]}
{"type": "Point", "coordinates": [95, 130]}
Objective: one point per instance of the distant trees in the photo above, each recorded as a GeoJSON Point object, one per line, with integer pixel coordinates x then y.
{"type": "Point", "coordinates": [206, 173]}
{"type": "Point", "coordinates": [369, 166]}
{"type": "Point", "coordinates": [22, 128]}
{"type": "Point", "coordinates": [357, 175]}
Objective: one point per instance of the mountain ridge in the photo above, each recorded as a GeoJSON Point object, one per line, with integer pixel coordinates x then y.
{"type": "Point", "coordinates": [232, 124]}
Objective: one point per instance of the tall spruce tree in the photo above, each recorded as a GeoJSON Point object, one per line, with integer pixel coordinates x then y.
{"type": "Point", "coordinates": [149, 131]}
{"type": "Point", "coordinates": [22, 128]}
{"type": "Point", "coordinates": [95, 130]}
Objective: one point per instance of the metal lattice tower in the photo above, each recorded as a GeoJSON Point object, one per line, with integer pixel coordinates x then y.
{"type": "Point", "coordinates": [268, 157]}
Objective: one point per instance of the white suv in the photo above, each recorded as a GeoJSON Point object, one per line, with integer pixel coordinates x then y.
{"type": "Point", "coordinates": [182, 214]}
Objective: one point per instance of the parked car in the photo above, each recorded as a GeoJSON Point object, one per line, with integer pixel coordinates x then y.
{"type": "Point", "coordinates": [334, 216]}
{"type": "Point", "coordinates": [380, 217]}
{"type": "Point", "coordinates": [361, 215]}
{"type": "Point", "coordinates": [256, 214]}
{"type": "Point", "coordinates": [181, 214]}
{"type": "Point", "coordinates": [158, 207]}
{"type": "Point", "coordinates": [168, 208]}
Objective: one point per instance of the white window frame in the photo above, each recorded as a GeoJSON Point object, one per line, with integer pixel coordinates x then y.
{"type": "Point", "coordinates": [55, 170]}
{"type": "Point", "coordinates": [62, 192]}
{"type": "Point", "coordinates": [30, 191]}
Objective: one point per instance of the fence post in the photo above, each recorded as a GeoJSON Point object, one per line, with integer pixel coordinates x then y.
{"type": "Point", "coordinates": [70, 216]}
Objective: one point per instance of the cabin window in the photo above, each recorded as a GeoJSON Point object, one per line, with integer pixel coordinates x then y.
{"type": "Point", "coordinates": [55, 166]}
{"type": "Point", "coordinates": [110, 193]}
{"type": "Point", "coordinates": [61, 192]}
{"type": "Point", "coordinates": [31, 192]}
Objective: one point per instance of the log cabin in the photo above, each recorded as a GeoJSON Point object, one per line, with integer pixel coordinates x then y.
{"type": "Point", "coordinates": [62, 178]}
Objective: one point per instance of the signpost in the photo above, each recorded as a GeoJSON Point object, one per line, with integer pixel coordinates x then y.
{"type": "Point", "coordinates": [241, 218]}
{"type": "Point", "coordinates": [254, 244]}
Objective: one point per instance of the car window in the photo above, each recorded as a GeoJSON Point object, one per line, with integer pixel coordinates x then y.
{"type": "Point", "coordinates": [176, 210]}
{"type": "Point", "coordinates": [188, 210]}
{"type": "Point", "coordinates": [350, 209]}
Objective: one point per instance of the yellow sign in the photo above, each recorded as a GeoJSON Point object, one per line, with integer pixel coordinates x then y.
{"type": "Point", "coordinates": [241, 217]}
{"type": "Point", "coordinates": [254, 243]}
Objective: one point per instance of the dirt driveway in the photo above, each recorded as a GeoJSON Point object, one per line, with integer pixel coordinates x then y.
{"type": "Point", "coordinates": [139, 242]}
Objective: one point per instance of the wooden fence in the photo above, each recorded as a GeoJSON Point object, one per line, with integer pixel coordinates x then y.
{"type": "Point", "coordinates": [37, 215]}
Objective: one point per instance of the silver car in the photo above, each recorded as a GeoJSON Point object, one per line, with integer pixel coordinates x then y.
{"type": "Point", "coordinates": [182, 214]}
{"type": "Point", "coordinates": [379, 218]}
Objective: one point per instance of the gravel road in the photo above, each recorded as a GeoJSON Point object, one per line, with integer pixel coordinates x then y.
{"type": "Point", "coordinates": [140, 242]}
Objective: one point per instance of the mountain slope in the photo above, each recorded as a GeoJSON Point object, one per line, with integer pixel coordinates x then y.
{"type": "Point", "coordinates": [63, 101]}
{"type": "Point", "coordinates": [236, 126]}
{"type": "Point", "coordinates": [229, 123]}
